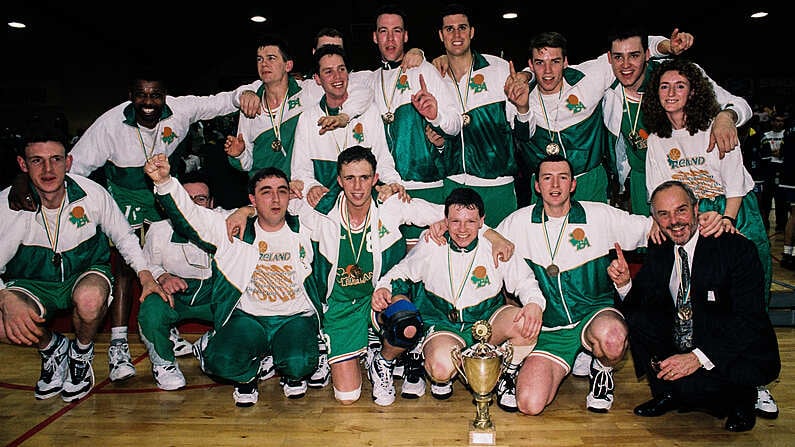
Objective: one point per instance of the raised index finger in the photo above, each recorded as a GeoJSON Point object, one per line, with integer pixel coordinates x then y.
{"type": "Point", "coordinates": [513, 70]}
{"type": "Point", "coordinates": [422, 83]}
{"type": "Point", "coordinates": [620, 253]}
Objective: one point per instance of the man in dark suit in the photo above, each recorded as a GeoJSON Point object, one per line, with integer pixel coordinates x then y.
{"type": "Point", "coordinates": [701, 335]}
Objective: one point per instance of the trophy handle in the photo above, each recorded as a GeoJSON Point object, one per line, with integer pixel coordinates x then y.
{"type": "Point", "coordinates": [455, 355]}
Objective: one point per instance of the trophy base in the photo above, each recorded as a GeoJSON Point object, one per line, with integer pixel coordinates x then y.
{"type": "Point", "coordinates": [482, 436]}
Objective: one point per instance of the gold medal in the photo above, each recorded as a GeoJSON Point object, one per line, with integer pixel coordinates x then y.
{"type": "Point", "coordinates": [466, 119]}
{"type": "Point", "coordinates": [553, 148]}
{"type": "Point", "coordinates": [388, 118]}
{"type": "Point", "coordinates": [453, 315]}
{"type": "Point", "coordinates": [276, 145]}
{"type": "Point", "coordinates": [638, 141]}
{"type": "Point", "coordinates": [553, 270]}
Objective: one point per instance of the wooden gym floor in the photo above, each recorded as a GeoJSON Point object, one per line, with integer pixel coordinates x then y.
{"type": "Point", "coordinates": [137, 413]}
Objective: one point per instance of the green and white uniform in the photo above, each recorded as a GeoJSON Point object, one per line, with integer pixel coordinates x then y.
{"type": "Point", "coordinates": [338, 250]}
{"type": "Point", "coordinates": [453, 287]}
{"type": "Point", "coordinates": [261, 284]}
{"type": "Point", "coordinates": [578, 245]}
{"type": "Point", "coordinates": [116, 142]}
{"type": "Point", "coordinates": [483, 156]}
{"type": "Point", "coordinates": [44, 250]}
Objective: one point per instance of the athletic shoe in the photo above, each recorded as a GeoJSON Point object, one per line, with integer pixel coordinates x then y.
{"type": "Point", "coordinates": [582, 364]}
{"type": "Point", "coordinates": [414, 381]}
{"type": "Point", "coordinates": [294, 389]}
{"type": "Point", "coordinates": [373, 347]}
{"type": "Point", "coordinates": [246, 394]}
{"type": "Point", "coordinates": [442, 390]}
{"type": "Point", "coordinates": [80, 374]}
{"type": "Point", "coordinates": [600, 398]}
{"type": "Point", "coordinates": [168, 377]}
{"type": "Point", "coordinates": [182, 347]}
{"type": "Point", "coordinates": [119, 361]}
{"type": "Point", "coordinates": [766, 406]}
{"type": "Point", "coordinates": [53, 368]}
{"type": "Point", "coordinates": [266, 368]}
{"type": "Point", "coordinates": [322, 375]}
{"type": "Point", "coordinates": [199, 347]}
{"type": "Point", "coordinates": [399, 367]}
{"type": "Point", "coordinates": [380, 375]}
{"type": "Point", "coordinates": [506, 389]}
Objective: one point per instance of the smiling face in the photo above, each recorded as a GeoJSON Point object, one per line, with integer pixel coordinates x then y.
{"type": "Point", "coordinates": [463, 224]}
{"type": "Point", "coordinates": [628, 59]}
{"type": "Point", "coordinates": [456, 34]}
{"type": "Point", "coordinates": [674, 91]}
{"type": "Point", "coordinates": [676, 216]}
{"type": "Point", "coordinates": [332, 75]}
{"type": "Point", "coordinates": [357, 180]}
{"type": "Point", "coordinates": [148, 99]}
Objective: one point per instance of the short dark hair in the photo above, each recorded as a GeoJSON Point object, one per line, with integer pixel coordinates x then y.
{"type": "Point", "coordinates": [327, 32]}
{"type": "Point", "coordinates": [263, 173]}
{"type": "Point", "coordinates": [196, 177]}
{"type": "Point", "coordinates": [551, 159]}
{"type": "Point", "coordinates": [42, 127]}
{"type": "Point", "coordinates": [355, 153]}
{"type": "Point", "coordinates": [273, 40]}
{"type": "Point", "coordinates": [465, 197]}
{"type": "Point", "coordinates": [147, 72]}
{"type": "Point", "coordinates": [668, 184]}
{"type": "Point", "coordinates": [389, 8]}
{"type": "Point", "coordinates": [551, 39]}
{"type": "Point", "coordinates": [327, 50]}
{"type": "Point", "coordinates": [624, 32]}
{"type": "Point", "coordinates": [453, 9]}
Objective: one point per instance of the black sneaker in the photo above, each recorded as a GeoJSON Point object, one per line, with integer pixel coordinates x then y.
{"type": "Point", "coordinates": [442, 390]}
{"type": "Point", "coordinates": [80, 374]}
{"type": "Point", "coordinates": [53, 368]}
{"type": "Point", "coordinates": [414, 377]}
{"type": "Point", "coordinates": [600, 397]}
{"type": "Point", "coordinates": [506, 389]}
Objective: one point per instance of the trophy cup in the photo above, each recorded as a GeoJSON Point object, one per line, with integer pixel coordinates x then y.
{"type": "Point", "coordinates": [482, 366]}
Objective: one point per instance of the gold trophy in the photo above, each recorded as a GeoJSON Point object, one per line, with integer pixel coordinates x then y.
{"type": "Point", "coordinates": [482, 366]}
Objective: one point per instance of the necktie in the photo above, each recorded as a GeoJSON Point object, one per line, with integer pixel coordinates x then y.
{"type": "Point", "coordinates": [683, 327]}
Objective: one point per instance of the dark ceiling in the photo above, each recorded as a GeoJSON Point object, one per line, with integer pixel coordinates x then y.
{"type": "Point", "coordinates": [84, 49]}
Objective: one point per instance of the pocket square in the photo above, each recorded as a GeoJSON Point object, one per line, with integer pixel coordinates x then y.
{"type": "Point", "coordinates": [710, 295]}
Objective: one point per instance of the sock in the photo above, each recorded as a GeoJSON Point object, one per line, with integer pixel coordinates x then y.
{"type": "Point", "coordinates": [788, 249]}
{"type": "Point", "coordinates": [81, 347]}
{"type": "Point", "coordinates": [388, 362]}
{"type": "Point", "coordinates": [118, 333]}
{"type": "Point", "coordinates": [51, 344]}
{"type": "Point", "coordinates": [519, 354]}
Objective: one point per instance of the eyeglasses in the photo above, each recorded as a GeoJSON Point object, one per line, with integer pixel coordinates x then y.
{"type": "Point", "coordinates": [200, 199]}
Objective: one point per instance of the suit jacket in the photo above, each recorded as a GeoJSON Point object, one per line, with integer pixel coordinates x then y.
{"type": "Point", "coordinates": [730, 323]}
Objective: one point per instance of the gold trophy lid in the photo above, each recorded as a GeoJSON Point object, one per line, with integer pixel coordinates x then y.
{"type": "Point", "coordinates": [481, 331]}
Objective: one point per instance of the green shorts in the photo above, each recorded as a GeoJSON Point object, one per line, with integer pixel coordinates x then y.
{"type": "Point", "coordinates": [345, 326]}
{"type": "Point", "coordinates": [51, 296]}
{"type": "Point", "coordinates": [562, 344]}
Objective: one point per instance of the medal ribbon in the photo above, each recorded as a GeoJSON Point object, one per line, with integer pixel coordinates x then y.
{"type": "Point", "coordinates": [633, 124]}
{"type": "Point", "coordinates": [53, 239]}
{"type": "Point", "coordinates": [355, 253]}
{"type": "Point", "coordinates": [154, 140]}
{"type": "Point", "coordinates": [457, 295]}
{"type": "Point", "coordinates": [394, 87]}
{"type": "Point", "coordinates": [546, 118]}
{"type": "Point", "coordinates": [463, 100]}
{"type": "Point", "coordinates": [334, 136]}
{"type": "Point", "coordinates": [560, 235]}
{"type": "Point", "coordinates": [274, 124]}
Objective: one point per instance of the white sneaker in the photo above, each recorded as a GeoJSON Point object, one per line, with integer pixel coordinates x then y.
{"type": "Point", "coordinates": [182, 347]}
{"type": "Point", "coordinates": [766, 406]}
{"type": "Point", "coordinates": [120, 365]}
{"type": "Point", "coordinates": [168, 377]}
{"type": "Point", "coordinates": [199, 347]}
{"type": "Point", "coordinates": [441, 390]}
{"type": "Point", "coordinates": [322, 375]}
{"type": "Point", "coordinates": [54, 365]}
{"type": "Point", "coordinates": [380, 375]}
{"type": "Point", "coordinates": [582, 365]}
{"type": "Point", "coordinates": [294, 389]}
{"type": "Point", "coordinates": [246, 394]}
{"type": "Point", "coordinates": [80, 374]}
{"type": "Point", "coordinates": [600, 397]}
{"type": "Point", "coordinates": [266, 368]}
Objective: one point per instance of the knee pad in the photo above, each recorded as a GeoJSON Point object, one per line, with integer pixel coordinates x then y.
{"type": "Point", "coordinates": [396, 318]}
{"type": "Point", "coordinates": [348, 396]}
